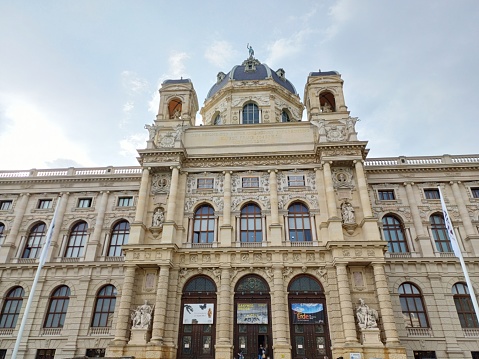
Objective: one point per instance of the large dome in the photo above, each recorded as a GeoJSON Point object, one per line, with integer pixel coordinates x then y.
{"type": "Point", "coordinates": [250, 70]}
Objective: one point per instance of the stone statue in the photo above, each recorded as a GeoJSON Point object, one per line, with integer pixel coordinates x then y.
{"type": "Point", "coordinates": [326, 108]}
{"type": "Point", "coordinates": [158, 218]}
{"type": "Point", "coordinates": [347, 212]}
{"type": "Point", "coordinates": [251, 51]}
{"type": "Point", "coordinates": [177, 114]}
{"type": "Point", "coordinates": [141, 317]}
{"type": "Point", "coordinates": [367, 317]}
{"type": "Point", "coordinates": [151, 131]}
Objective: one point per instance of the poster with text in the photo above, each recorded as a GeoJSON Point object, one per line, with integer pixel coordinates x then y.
{"type": "Point", "coordinates": [252, 313]}
{"type": "Point", "coordinates": [307, 313]}
{"type": "Point", "coordinates": [198, 313]}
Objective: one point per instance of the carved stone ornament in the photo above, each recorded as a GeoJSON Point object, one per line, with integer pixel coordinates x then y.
{"type": "Point", "coordinates": [342, 178]}
{"type": "Point", "coordinates": [160, 183]}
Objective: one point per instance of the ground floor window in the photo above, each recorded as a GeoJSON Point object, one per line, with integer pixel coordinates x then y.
{"type": "Point", "coordinates": [475, 355]}
{"type": "Point", "coordinates": [424, 355]}
{"type": "Point", "coordinates": [3, 353]}
{"type": "Point", "coordinates": [95, 353]}
{"type": "Point", "coordinates": [45, 354]}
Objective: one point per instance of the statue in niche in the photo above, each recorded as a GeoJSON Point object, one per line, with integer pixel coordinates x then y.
{"type": "Point", "coordinates": [158, 218]}
{"type": "Point", "coordinates": [141, 316]}
{"type": "Point", "coordinates": [347, 212]}
{"type": "Point", "coordinates": [177, 114]}
{"type": "Point", "coordinates": [152, 130]}
{"type": "Point", "coordinates": [326, 107]}
{"type": "Point", "coordinates": [367, 317]}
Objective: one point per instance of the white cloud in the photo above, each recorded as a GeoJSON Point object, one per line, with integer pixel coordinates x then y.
{"type": "Point", "coordinates": [130, 144]}
{"type": "Point", "coordinates": [341, 12]}
{"type": "Point", "coordinates": [286, 47]}
{"type": "Point", "coordinates": [133, 83]}
{"type": "Point", "coordinates": [34, 138]}
{"type": "Point", "coordinates": [220, 53]}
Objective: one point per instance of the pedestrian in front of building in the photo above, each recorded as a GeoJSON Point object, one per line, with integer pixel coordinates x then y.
{"type": "Point", "coordinates": [261, 352]}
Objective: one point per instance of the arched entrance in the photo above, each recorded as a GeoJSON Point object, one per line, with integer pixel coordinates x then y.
{"type": "Point", "coordinates": [196, 336]}
{"type": "Point", "coordinates": [252, 317]}
{"type": "Point", "coordinates": [308, 319]}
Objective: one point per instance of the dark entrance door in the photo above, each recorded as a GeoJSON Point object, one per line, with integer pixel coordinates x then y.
{"type": "Point", "coordinates": [197, 330]}
{"type": "Point", "coordinates": [309, 328]}
{"type": "Point", "coordinates": [252, 318]}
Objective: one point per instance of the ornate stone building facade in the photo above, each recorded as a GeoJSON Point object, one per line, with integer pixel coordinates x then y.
{"type": "Point", "coordinates": [255, 228]}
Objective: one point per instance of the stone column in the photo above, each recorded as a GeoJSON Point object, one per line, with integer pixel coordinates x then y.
{"type": "Point", "coordinates": [385, 306]}
{"type": "Point", "coordinates": [142, 196]}
{"type": "Point", "coordinates": [414, 210]}
{"type": "Point", "coordinates": [171, 207]}
{"type": "Point", "coordinates": [346, 304]}
{"type": "Point", "coordinates": [123, 319]}
{"type": "Point", "coordinates": [159, 319]}
{"type": "Point", "coordinates": [94, 242]}
{"type": "Point", "coordinates": [279, 307]}
{"type": "Point", "coordinates": [227, 199]}
{"type": "Point", "coordinates": [8, 247]}
{"type": "Point", "coordinates": [466, 219]}
{"type": "Point", "coordinates": [273, 193]}
{"type": "Point", "coordinates": [363, 189]}
{"type": "Point", "coordinates": [56, 231]}
{"type": "Point", "coordinates": [223, 314]}
{"type": "Point", "coordinates": [330, 196]}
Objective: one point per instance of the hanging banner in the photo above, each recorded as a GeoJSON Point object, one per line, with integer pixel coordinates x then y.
{"type": "Point", "coordinates": [252, 313]}
{"type": "Point", "coordinates": [307, 313]}
{"type": "Point", "coordinates": [198, 313]}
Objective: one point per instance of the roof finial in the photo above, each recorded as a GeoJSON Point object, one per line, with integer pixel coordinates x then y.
{"type": "Point", "coordinates": [251, 51]}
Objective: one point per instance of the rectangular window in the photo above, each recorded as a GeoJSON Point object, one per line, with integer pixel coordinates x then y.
{"type": "Point", "coordinates": [386, 195]}
{"type": "Point", "coordinates": [44, 204]}
{"type": "Point", "coordinates": [295, 181]}
{"type": "Point", "coordinates": [424, 355]}
{"type": "Point", "coordinates": [45, 354]}
{"type": "Point", "coordinates": [5, 205]}
{"type": "Point", "coordinates": [205, 183]}
{"type": "Point", "coordinates": [84, 203]}
{"type": "Point", "coordinates": [431, 193]}
{"type": "Point", "coordinates": [250, 182]}
{"type": "Point", "coordinates": [95, 353]}
{"type": "Point", "coordinates": [125, 201]}
{"type": "Point", "coordinates": [475, 192]}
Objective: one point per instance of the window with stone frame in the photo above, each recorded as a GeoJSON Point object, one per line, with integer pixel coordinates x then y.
{"type": "Point", "coordinates": [2, 230]}
{"type": "Point", "coordinates": [104, 307]}
{"type": "Point", "coordinates": [250, 113]}
{"type": "Point", "coordinates": [422, 354]}
{"type": "Point", "coordinates": [57, 308]}
{"type": "Point", "coordinates": [125, 201]}
{"type": "Point", "coordinates": [394, 234]}
{"type": "Point", "coordinates": [464, 308]}
{"type": "Point", "coordinates": [475, 192]}
{"type": "Point", "coordinates": [251, 228]}
{"type": "Point", "coordinates": [3, 353]}
{"type": "Point", "coordinates": [205, 183]}
{"type": "Point", "coordinates": [95, 353]}
{"type": "Point", "coordinates": [118, 237]}
{"type": "Point", "coordinates": [204, 225]}
{"type": "Point", "coordinates": [34, 241]}
{"type": "Point", "coordinates": [44, 204]}
{"type": "Point", "coordinates": [84, 202]}
{"type": "Point", "coordinates": [431, 193]}
{"type": "Point", "coordinates": [45, 354]}
{"type": "Point", "coordinates": [250, 182]}
{"type": "Point", "coordinates": [296, 181]}
{"type": "Point", "coordinates": [299, 223]}
{"type": "Point", "coordinates": [386, 195]}
{"type": "Point", "coordinates": [11, 308]}
{"type": "Point", "coordinates": [5, 205]}
{"type": "Point", "coordinates": [77, 240]}
{"type": "Point", "coordinates": [439, 233]}
{"type": "Point", "coordinates": [412, 305]}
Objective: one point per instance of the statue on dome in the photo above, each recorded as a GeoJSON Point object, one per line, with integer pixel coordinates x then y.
{"type": "Point", "coordinates": [250, 49]}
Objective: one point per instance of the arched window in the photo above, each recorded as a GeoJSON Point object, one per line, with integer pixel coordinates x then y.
{"type": "Point", "coordinates": [200, 284]}
{"type": "Point", "coordinates": [217, 120]}
{"type": "Point", "coordinates": [299, 223]}
{"type": "Point", "coordinates": [104, 307]}
{"type": "Point", "coordinates": [327, 102]}
{"type": "Point", "coordinates": [464, 307]}
{"type": "Point", "coordinates": [119, 237]}
{"type": "Point", "coordinates": [77, 240]}
{"type": "Point", "coordinates": [412, 304]}
{"type": "Point", "coordinates": [174, 108]}
{"type": "Point", "coordinates": [11, 308]}
{"type": "Point", "coordinates": [285, 116]}
{"type": "Point", "coordinates": [57, 308]}
{"type": "Point", "coordinates": [394, 234]}
{"type": "Point", "coordinates": [439, 233]}
{"type": "Point", "coordinates": [305, 284]}
{"type": "Point", "coordinates": [250, 113]}
{"type": "Point", "coordinates": [34, 241]}
{"type": "Point", "coordinates": [2, 230]}
{"type": "Point", "coordinates": [204, 225]}
{"type": "Point", "coordinates": [250, 224]}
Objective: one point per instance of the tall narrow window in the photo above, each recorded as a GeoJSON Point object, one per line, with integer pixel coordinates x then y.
{"type": "Point", "coordinates": [34, 241]}
{"type": "Point", "coordinates": [204, 225]}
{"type": "Point", "coordinates": [412, 304]}
{"type": "Point", "coordinates": [77, 240]}
{"type": "Point", "coordinates": [104, 307]}
{"type": "Point", "coordinates": [439, 233]}
{"type": "Point", "coordinates": [299, 223]}
{"type": "Point", "coordinates": [11, 308]}
{"type": "Point", "coordinates": [464, 307]}
{"type": "Point", "coordinates": [250, 113]}
{"type": "Point", "coordinates": [250, 224]}
{"type": "Point", "coordinates": [119, 237]}
{"type": "Point", "coordinates": [285, 116]}
{"type": "Point", "coordinates": [57, 308]}
{"type": "Point", "coordinates": [394, 234]}
{"type": "Point", "coordinates": [2, 230]}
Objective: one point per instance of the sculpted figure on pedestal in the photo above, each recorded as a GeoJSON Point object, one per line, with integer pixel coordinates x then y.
{"type": "Point", "coordinates": [367, 317]}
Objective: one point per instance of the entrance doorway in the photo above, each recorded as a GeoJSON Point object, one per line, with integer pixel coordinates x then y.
{"type": "Point", "coordinates": [309, 328]}
{"type": "Point", "coordinates": [252, 318]}
{"type": "Point", "coordinates": [197, 330]}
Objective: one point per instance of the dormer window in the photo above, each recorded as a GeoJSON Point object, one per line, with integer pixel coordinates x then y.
{"type": "Point", "coordinates": [280, 73]}
{"type": "Point", "coordinates": [220, 77]}
{"type": "Point", "coordinates": [250, 113]}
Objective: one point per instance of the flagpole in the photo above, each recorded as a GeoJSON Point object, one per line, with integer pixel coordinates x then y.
{"type": "Point", "coordinates": [458, 253]}
{"type": "Point", "coordinates": [41, 262]}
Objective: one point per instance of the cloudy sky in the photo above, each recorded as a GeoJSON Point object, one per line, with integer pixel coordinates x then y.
{"type": "Point", "coordinates": [79, 79]}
